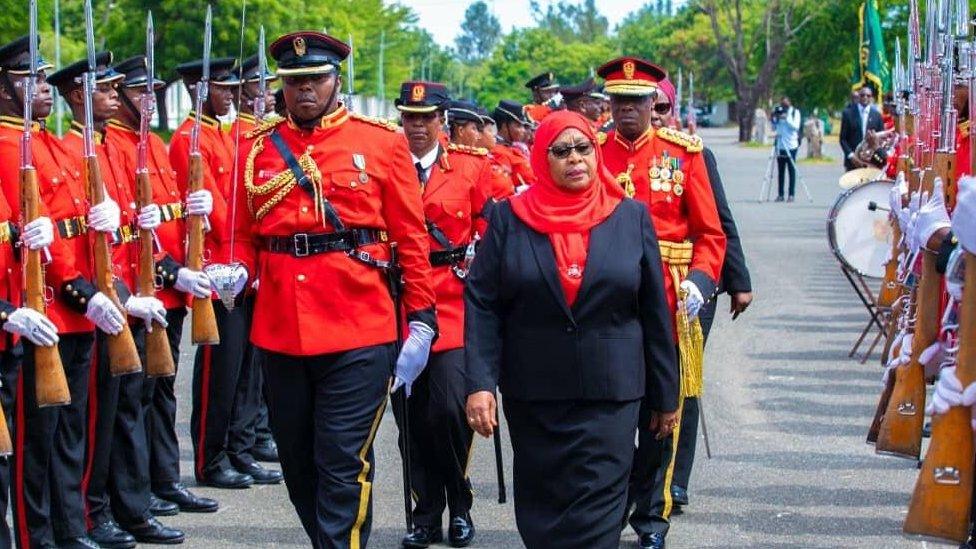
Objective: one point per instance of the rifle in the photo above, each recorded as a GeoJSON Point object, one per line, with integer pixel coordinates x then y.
{"type": "Point", "coordinates": [159, 358]}
{"type": "Point", "coordinates": [942, 498]}
{"type": "Point", "coordinates": [51, 386]}
{"type": "Point", "coordinates": [260, 105]}
{"type": "Point", "coordinates": [204, 324]}
{"type": "Point", "coordinates": [122, 353]}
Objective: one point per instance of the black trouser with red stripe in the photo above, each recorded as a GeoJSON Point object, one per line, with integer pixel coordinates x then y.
{"type": "Point", "coordinates": [324, 414]}
{"type": "Point", "coordinates": [216, 374]}
{"type": "Point", "coordinates": [248, 401]}
{"type": "Point", "coordinates": [118, 469]}
{"type": "Point", "coordinates": [441, 440]}
{"type": "Point", "coordinates": [49, 450]}
{"type": "Point", "coordinates": [10, 361]}
{"type": "Point", "coordinates": [159, 399]}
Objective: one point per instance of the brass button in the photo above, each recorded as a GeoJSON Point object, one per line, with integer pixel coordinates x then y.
{"type": "Point", "coordinates": [352, 184]}
{"type": "Point", "coordinates": [54, 180]}
{"type": "Point", "coordinates": [460, 214]}
{"type": "Point", "coordinates": [300, 278]}
{"type": "Point", "coordinates": [304, 209]}
{"type": "Point", "coordinates": [77, 201]}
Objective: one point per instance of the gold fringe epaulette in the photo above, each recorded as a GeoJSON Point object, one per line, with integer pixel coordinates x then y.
{"type": "Point", "coordinates": [265, 126]}
{"type": "Point", "coordinates": [381, 122]}
{"type": "Point", "coordinates": [476, 151]}
{"type": "Point", "coordinates": [964, 129]}
{"type": "Point", "coordinates": [691, 143]}
{"type": "Point", "coordinates": [601, 137]}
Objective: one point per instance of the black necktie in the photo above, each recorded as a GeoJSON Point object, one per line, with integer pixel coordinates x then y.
{"type": "Point", "coordinates": [421, 173]}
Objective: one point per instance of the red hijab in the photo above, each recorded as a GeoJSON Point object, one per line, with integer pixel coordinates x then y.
{"type": "Point", "coordinates": [566, 217]}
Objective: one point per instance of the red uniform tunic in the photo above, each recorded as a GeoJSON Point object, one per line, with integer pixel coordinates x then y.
{"type": "Point", "coordinates": [963, 155]}
{"type": "Point", "coordinates": [246, 122]}
{"type": "Point", "coordinates": [454, 198]}
{"type": "Point", "coordinates": [10, 270]}
{"type": "Point", "coordinates": [217, 151]}
{"type": "Point", "coordinates": [501, 178]}
{"type": "Point", "coordinates": [171, 234]}
{"type": "Point", "coordinates": [118, 186]}
{"type": "Point", "coordinates": [514, 163]}
{"type": "Point", "coordinates": [63, 196]}
{"type": "Point", "coordinates": [537, 112]}
{"type": "Point", "coordinates": [682, 206]}
{"type": "Point", "coordinates": [331, 302]}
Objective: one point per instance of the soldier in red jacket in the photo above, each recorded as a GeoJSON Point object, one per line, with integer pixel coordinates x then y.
{"type": "Point", "coordinates": [454, 179]}
{"type": "Point", "coordinates": [248, 77]}
{"type": "Point", "coordinates": [327, 194]}
{"type": "Point", "coordinates": [116, 480]}
{"type": "Point", "coordinates": [545, 96]}
{"type": "Point", "coordinates": [218, 369]}
{"type": "Point", "coordinates": [663, 169]}
{"type": "Point", "coordinates": [509, 143]}
{"type": "Point", "coordinates": [165, 216]}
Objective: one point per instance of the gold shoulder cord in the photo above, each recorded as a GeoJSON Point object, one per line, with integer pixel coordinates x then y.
{"type": "Point", "coordinates": [283, 183]}
{"type": "Point", "coordinates": [627, 182]}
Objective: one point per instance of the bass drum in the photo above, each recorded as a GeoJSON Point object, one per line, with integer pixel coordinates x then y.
{"type": "Point", "coordinates": [858, 228]}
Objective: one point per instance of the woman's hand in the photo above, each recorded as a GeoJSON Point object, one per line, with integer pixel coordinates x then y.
{"type": "Point", "coordinates": [663, 423]}
{"type": "Point", "coordinates": [481, 412]}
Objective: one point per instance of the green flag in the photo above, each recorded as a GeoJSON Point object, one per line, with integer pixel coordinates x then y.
{"type": "Point", "coordinates": [871, 66]}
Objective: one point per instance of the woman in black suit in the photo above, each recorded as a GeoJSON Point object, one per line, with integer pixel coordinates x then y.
{"type": "Point", "coordinates": [565, 312]}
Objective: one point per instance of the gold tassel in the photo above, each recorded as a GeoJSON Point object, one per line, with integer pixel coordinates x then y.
{"type": "Point", "coordinates": [691, 340]}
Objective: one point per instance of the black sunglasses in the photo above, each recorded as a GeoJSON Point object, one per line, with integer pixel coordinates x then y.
{"type": "Point", "coordinates": [662, 108]}
{"type": "Point", "coordinates": [563, 151]}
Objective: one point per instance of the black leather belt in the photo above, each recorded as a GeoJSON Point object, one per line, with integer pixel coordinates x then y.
{"type": "Point", "coordinates": [448, 257]}
{"type": "Point", "coordinates": [304, 244]}
{"type": "Point", "coordinates": [8, 233]}
{"type": "Point", "coordinates": [125, 234]}
{"type": "Point", "coordinates": [171, 211]}
{"type": "Point", "coordinates": [71, 227]}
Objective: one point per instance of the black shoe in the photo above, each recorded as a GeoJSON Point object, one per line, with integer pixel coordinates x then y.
{"type": "Point", "coordinates": [461, 531]}
{"type": "Point", "coordinates": [162, 508]}
{"type": "Point", "coordinates": [266, 450]}
{"type": "Point", "coordinates": [422, 537]}
{"type": "Point", "coordinates": [153, 531]}
{"type": "Point", "coordinates": [790, 198]}
{"type": "Point", "coordinates": [779, 198]}
{"type": "Point", "coordinates": [227, 478]}
{"type": "Point", "coordinates": [259, 474]}
{"type": "Point", "coordinates": [679, 496]}
{"type": "Point", "coordinates": [83, 542]}
{"type": "Point", "coordinates": [652, 541]}
{"type": "Point", "coordinates": [187, 501]}
{"type": "Point", "coordinates": [108, 535]}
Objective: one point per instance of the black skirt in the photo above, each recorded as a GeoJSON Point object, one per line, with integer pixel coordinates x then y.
{"type": "Point", "coordinates": [571, 464]}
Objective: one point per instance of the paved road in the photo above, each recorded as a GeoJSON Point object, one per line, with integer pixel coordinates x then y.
{"type": "Point", "coordinates": [787, 411]}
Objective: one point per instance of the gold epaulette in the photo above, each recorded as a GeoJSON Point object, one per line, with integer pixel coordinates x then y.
{"type": "Point", "coordinates": [691, 143]}
{"type": "Point", "coordinates": [381, 122]}
{"type": "Point", "coordinates": [964, 129]}
{"type": "Point", "coordinates": [264, 127]}
{"type": "Point", "coordinates": [601, 137]}
{"type": "Point", "coordinates": [476, 151]}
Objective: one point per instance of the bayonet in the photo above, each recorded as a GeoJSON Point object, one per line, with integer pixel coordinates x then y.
{"type": "Point", "coordinates": [259, 102]}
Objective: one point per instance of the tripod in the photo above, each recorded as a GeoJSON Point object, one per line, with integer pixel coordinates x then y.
{"type": "Point", "coordinates": [767, 187]}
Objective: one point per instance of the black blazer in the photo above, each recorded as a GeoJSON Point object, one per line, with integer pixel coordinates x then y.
{"type": "Point", "coordinates": [615, 344]}
{"type": "Point", "coordinates": [850, 127]}
{"type": "Point", "coordinates": [735, 274]}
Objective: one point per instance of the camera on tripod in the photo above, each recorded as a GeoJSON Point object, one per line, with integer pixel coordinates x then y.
{"type": "Point", "coordinates": [778, 112]}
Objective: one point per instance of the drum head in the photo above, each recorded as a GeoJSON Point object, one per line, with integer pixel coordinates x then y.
{"type": "Point", "coordinates": [859, 176]}
{"type": "Point", "coordinates": [860, 237]}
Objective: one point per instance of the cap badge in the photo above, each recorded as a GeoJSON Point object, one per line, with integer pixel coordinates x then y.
{"type": "Point", "coordinates": [629, 70]}
{"type": "Point", "coordinates": [300, 46]}
{"type": "Point", "coordinates": [417, 93]}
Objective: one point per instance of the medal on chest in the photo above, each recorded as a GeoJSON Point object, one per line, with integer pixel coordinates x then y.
{"type": "Point", "coordinates": [666, 176]}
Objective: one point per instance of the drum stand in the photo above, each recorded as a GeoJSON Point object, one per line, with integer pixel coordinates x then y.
{"type": "Point", "coordinates": [878, 314]}
{"type": "Point", "coordinates": [767, 187]}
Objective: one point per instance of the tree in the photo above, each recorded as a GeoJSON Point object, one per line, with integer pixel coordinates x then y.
{"type": "Point", "coordinates": [480, 32]}
{"type": "Point", "coordinates": [572, 22]}
{"type": "Point", "coordinates": [739, 34]}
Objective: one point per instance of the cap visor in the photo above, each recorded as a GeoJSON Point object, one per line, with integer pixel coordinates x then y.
{"type": "Point", "coordinates": [406, 108]}
{"type": "Point", "coordinates": [307, 71]}
{"type": "Point", "coordinates": [629, 89]}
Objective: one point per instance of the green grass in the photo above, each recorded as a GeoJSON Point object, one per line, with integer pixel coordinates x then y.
{"type": "Point", "coordinates": [822, 160]}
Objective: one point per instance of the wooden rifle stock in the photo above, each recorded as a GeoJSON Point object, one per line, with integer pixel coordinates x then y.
{"type": "Point", "coordinates": [204, 324]}
{"type": "Point", "coordinates": [122, 353]}
{"type": "Point", "coordinates": [51, 386]}
{"type": "Point", "coordinates": [942, 498]}
{"type": "Point", "coordinates": [159, 358]}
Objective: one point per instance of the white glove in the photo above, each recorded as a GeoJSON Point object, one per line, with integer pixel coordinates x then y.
{"type": "Point", "coordinates": [931, 359]}
{"type": "Point", "coordinates": [104, 217]}
{"type": "Point", "coordinates": [954, 282]}
{"type": "Point", "coordinates": [413, 356]}
{"type": "Point", "coordinates": [148, 309]}
{"type": "Point", "coordinates": [964, 215]}
{"type": "Point", "coordinates": [199, 202]}
{"type": "Point", "coordinates": [693, 298]}
{"type": "Point", "coordinates": [949, 392]}
{"type": "Point", "coordinates": [555, 101]}
{"type": "Point", "coordinates": [234, 275]}
{"type": "Point", "coordinates": [150, 217]}
{"type": "Point", "coordinates": [33, 325]}
{"type": "Point", "coordinates": [932, 215]}
{"type": "Point", "coordinates": [192, 282]}
{"type": "Point", "coordinates": [896, 193]}
{"type": "Point", "coordinates": [39, 233]}
{"type": "Point", "coordinates": [904, 356]}
{"type": "Point", "coordinates": [103, 312]}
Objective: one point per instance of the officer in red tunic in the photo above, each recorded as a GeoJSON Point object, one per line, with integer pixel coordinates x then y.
{"type": "Point", "coordinates": [454, 179]}
{"type": "Point", "coordinates": [545, 96]}
{"type": "Point", "coordinates": [510, 144]}
{"type": "Point", "coordinates": [21, 322]}
{"type": "Point", "coordinates": [664, 169]}
{"type": "Point", "coordinates": [117, 469]}
{"type": "Point", "coordinates": [217, 369]}
{"type": "Point", "coordinates": [52, 444]}
{"type": "Point", "coordinates": [327, 194]}
{"type": "Point", "coordinates": [178, 283]}
{"type": "Point", "coordinates": [248, 75]}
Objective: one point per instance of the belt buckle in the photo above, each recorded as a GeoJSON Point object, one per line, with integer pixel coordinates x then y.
{"type": "Point", "coordinates": [300, 241]}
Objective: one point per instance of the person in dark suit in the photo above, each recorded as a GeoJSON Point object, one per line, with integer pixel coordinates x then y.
{"type": "Point", "coordinates": [856, 120]}
{"type": "Point", "coordinates": [566, 313]}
